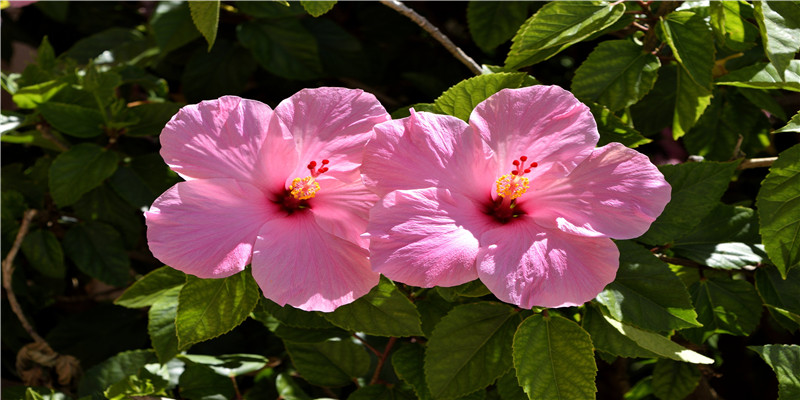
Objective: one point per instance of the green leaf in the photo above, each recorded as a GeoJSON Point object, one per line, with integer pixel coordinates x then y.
{"type": "Point", "coordinates": [334, 362]}
{"type": "Point", "coordinates": [408, 363]}
{"type": "Point", "coordinates": [113, 370]}
{"type": "Point", "coordinates": [779, 24]}
{"type": "Point", "coordinates": [474, 288]}
{"type": "Point", "coordinates": [152, 118]}
{"type": "Point", "coordinates": [384, 311]}
{"type": "Point", "coordinates": [783, 294]}
{"type": "Point", "coordinates": [554, 359]}
{"type": "Point", "coordinates": [558, 25]}
{"type": "Point", "coordinates": [508, 387]}
{"type": "Point", "coordinates": [372, 392]}
{"type": "Point", "coordinates": [460, 99]}
{"type": "Point", "coordinates": [33, 95]}
{"type": "Point", "coordinates": [44, 253]}
{"type": "Point", "coordinates": [612, 129]}
{"type": "Point", "coordinates": [607, 338]}
{"type": "Point", "coordinates": [317, 8]}
{"type": "Point", "coordinates": [229, 365]}
{"type": "Point", "coordinates": [131, 187]}
{"type": "Point", "coordinates": [308, 335]}
{"type": "Point", "coordinates": [646, 293]}
{"type": "Point", "coordinates": [658, 344]}
{"type": "Point", "coordinates": [288, 389]}
{"type": "Point", "coordinates": [674, 380]}
{"type": "Point", "coordinates": [97, 250]}
{"type": "Point", "coordinates": [785, 361]}
{"type": "Point", "coordinates": [724, 306]}
{"type": "Point", "coordinates": [792, 126]}
{"type": "Point", "coordinates": [225, 70]}
{"type": "Point", "coordinates": [72, 119]}
{"type": "Point", "coordinates": [762, 76]}
{"type": "Point", "coordinates": [729, 25]}
{"type": "Point", "coordinates": [203, 383]}
{"type": "Point", "coordinates": [79, 170]}
{"type": "Point", "coordinates": [691, 101]}
{"type": "Point", "coordinates": [617, 74]}
{"type": "Point", "coordinates": [283, 47]}
{"type": "Point", "coordinates": [648, 114]}
{"type": "Point", "coordinates": [101, 85]}
{"type": "Point", "coordinates": [294, 317]}
{"type": "Point", "coordinates": [205, 15]}
{"type": "Point", "coordinates": [492, 23]}
{"type": "Point", "coordinates": [207, 308]}
{"type": "Point", "coordinates": [470, 348]}
{"type": "Point", "coordinates": [116, 45]}
{"type": "Point", "coordinates": [689, 36]}
{"type": "Point", "coordinates": [172, 25]}
{"type": "Point", "coordinates": [696, 189]}
{"type": "Point", "coordinates": [727, 238]}
{"type": "Point", "coordinates": [102, 204]}
{"type": "Point", "coordinates": [764, 100]}
{"type": "Point", "coordinates": [778, 204]}
{"type": "Point", "coordinates": [161, 324]}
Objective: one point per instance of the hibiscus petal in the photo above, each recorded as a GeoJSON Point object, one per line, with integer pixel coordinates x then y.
{"type": "Point", "coordinates": [426, 237]}
{"type": "Point", "coordinates": [428, 150]}
{"type": "Point", "coordinates": [545, 123]}
{"type": "Point", "coordinates": [616, 192]}
{"type": "Point", "coordinates": [297, 263]}
{"type": "Point", "coordinates": [342, 209]}
{"type": "Point", "coordinates": [207, 227]}
{"type": "Point", "coordinates": [223, 138]}
{"type": "Point", "coordinates": [526, 265]}
{"type": "Point", "coordinates": [331, 123]}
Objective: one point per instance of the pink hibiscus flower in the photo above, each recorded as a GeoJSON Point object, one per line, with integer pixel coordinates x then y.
{"type": "Point", "coordinates": [279, 189]}
{"type": "Point", "coordinates": [519, 198]}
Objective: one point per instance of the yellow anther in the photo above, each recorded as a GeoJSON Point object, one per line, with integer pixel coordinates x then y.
{"type": "Point", "coordinates": [512, 186]}
{"type": "Point", "coordinates": [304, 188]}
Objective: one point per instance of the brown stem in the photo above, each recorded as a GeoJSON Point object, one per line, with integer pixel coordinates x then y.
{"type": "Point", "coordinates": [44, 129]}
{"type": "Point", "coordinates": [435, 32]}
{"type": "Point", "coordinates": [757, 162]}
{"type": "Point", "coordinates": [8, 272]}
{"type": "Point", "coordinates": [367, 345]}
{"type": "Point", "coordinates": [382, 359]}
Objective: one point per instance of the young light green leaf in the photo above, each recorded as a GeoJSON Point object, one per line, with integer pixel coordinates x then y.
{"type": "Point", "coordinates": [492, 23]}
{"type": "Point", "coordinates": [283, 47]}
{"type": "Point", "coordinates": [691, 101]}
{"type": "Point", "coordinates": [689, 36]}
{"type": "Point", "coordinates": [782, 294]}
{"type": "Point", "coordinates": [384, 311]}
{"type": "Point", "coordinates": [612, 129]}
{"type": "Point", "coordinates": [674, 380]}
{"type": "Point", "coordinates": [646, 293]}
{"type": "Point", "coordinates": [44, 253]}
{"type": "Point", "coordinates": [778, 204]}
{"type": "Point", "coordinates": [469, 349]}
{"type": "Point", "coordinates": [97, 250]}
{"type": "Point", "coordinates": [724, 306]}
{"type": "Point", "coordinates": [317, 8]}
{"type": "Point", "coordinates": [207, 308]}
{"type": "Point", "coordinates": [696, 189]}
{"type": "Point", "coordinates": [79, 170]}
{"type": "Point", "coordinates": [161, 324]}
{"type": "Point", "coordinates": [763, 76]}
{"type": "Point", "coordinates": [554, 358]}
{"type": "Point", "coordinates": [785, 361]}
{"type": "Point", "coordinates": [658, 344]}
{"type": "Point", "coordinates": [147, 290]}
{"type": "Point", "coordinates": [607, 338]}
{"type": "Point", "coordinates": [792, 126]}
{"type": "Point", "coordinates": [333, 362]}
{"type": "Point", "coordinates": [558, 25]}
{"type": "Point", "coordinates": [779, 23]}
{"type": "Point", "coordinates": [460, 99]}
{"type": "Point", "coordinates": [205, 15]}
{"type": "Point", "coordinates": [33, 95]}
{"type": "Point", "coordinates": [74, 120]}
{"type": "Point", "coordinates": [617, 74]}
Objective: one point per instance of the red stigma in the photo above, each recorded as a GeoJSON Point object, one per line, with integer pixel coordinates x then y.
{"type": "Point", "coordinates": [312, 166]}
{"type": "Point", "coordinates": [519, 166]}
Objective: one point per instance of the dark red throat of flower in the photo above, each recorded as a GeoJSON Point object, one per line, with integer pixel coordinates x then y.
{"type": "Point", "coordinates": [510, 187]}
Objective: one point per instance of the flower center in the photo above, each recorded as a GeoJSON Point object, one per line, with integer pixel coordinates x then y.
{"type": "Point", "coordinates": [307, 187]}
{"type": "Point", "coordinates": [510, 187]}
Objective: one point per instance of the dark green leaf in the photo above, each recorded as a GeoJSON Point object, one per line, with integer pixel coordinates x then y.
{"type": "Point", "coordinates": [470, 348]}
{"type": "Point", "coordinates": [617, 74]}
{"type": "Point", "coordinates": [648, 114]}
{"type": "Point", "coordinates": [431, 309]}
{"type": "Point", "coordinates": [408, 361]}
{"type": "Point", "coordinates": [132, 188]}
{"type": "Point", "coordinates": [330, 363]}
{"type": "Point", "coordinates": [122, 44]}
{"type": "Point", "coordinates": [225, 70]}
{"type": "Point", "coordinates": [172, 25]}
{"type": "Point", "coordinates": [271, 9]}
{"type": "Point", "coordinates": [44, 253]}
{"type": "Point", "coordinates": [778, 205]}
{"type": "Point", "coordinates": [764, 100]}
{"type": "Point", "coordinates": [696, 188]}
{"type": "Point", "coordinates": [46, 56]}
{"type": "Point", "coordinates": [290, 316]}
{"type": "Point", "coordinates": [460, 99]}
{"type": "Point", "coordinates": [207, 308]}
{"type": "Point", "coordinates": [97, 250]}
{"type": "Point", "coordinates": [792, 126]}
{"type": "Point", "coordinates": [508, 387]}
{"type": "Point", "coordinates": [779, 23]}
{"type": "Point", "coordinates": [317, 8]}
{"type": "Point", "coordinates": [558, 25]}
{"type": "Point", "coordinates": [79, 170]}
{"type": "Point", "coordinates": [202, 383]}
{"type": "Point", "coordinates": [762, 76]}
{"type": "Point", "coordinates": [205, 15]}
{"type": "Point", "coordinates": [673, 380]}
{"type": "Point", "coordinates": [609, 339]}
{"type": "Point", "coordinates": [283, 47]}
{"type": "Point", "coordinates": [56, 10]}
{"type": "Point", "coordinates": [781, 294]}
{"type": "Point", "coordinates": [691, 101]}
{"type": "Point", "coordinates": [308, 335]}
{"type": "Point", "coordinates": [102, 204]}
{"type": "Point", "coordinates": [113, 370]}
{"type": "Point", "coordinates": [785, 361]}
{"type": "Point", "coordinates": [384, 311]}
{"type": "Point", "coordinates": [474, 288]}
{"type": "Point", "coordinates": [72, 119]}
{"type": "Point", "coordinates": [492, 23]}
{"type": "Point", "coordinates": [161, 324]}
{"type": "Point", "coordinates": [102, 85]}
{"type": "Point", "coordinates": [554, 359]}
{"type": "Point", "coordinates": [612, 129]}
{"type": "Point", "coordinates": [724, 306]}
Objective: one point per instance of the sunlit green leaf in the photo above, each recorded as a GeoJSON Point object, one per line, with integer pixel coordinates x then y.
{"type": "Point", "coordinates": [205, 15]}
{"type": "Point", "coordinates": [161, 324]}
{"type": "Point", "coordinates": [658, 344]}
{"type": "Point", "coordinates": [724, 306]}
{"type": "Point", "coordinates": [460, 99]}
{"type": "Point", "coordinates": [792, 126]}
{"type": "Point", "coordinates": [779, 23]}
{"type": "Point", "coordinates": [785, 361]}
{"type": "Point", "coordinates": [609, 339]}
{"type": "Point", "coordinates": [612, 129]}
{"type": "Point", "coordinates": [778, 205]}
{"type": "Point", "coordinates": [764, 76]}
{"type": "Point", "coordinates": [317, 8]}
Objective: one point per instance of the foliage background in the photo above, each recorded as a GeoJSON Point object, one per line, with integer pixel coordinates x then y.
{"type": "Point", "coordinates": [89, 85]}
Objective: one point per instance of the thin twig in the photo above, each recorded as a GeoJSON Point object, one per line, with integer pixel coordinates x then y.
{"type": "Point", "coordinates": [8, 272]}
{"type": "Point", "coordinates": [435, 32]}
{"type": "Point", "coordinates": [367, 345]}
{"type": "Point", "coordinates": [44, 129]}
{"type": "Point", "coordinates": [737, 150]}
{"type": "Point", "coordinates": [757, 162]}
{"type": "Point", "coordinates": [382, 359]}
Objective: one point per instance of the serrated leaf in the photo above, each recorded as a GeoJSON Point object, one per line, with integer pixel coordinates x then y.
{"type": "Point", "coordinates": [294, 317]}
{"type": "Point", "coordinates": [492, 23]}
{"type": "Point", "coordinates": [172, 25]}
{"type": "Point", "coordinates": [161, 324]}
{"type": "Point", "coordinates": [97, 250]}
{"type": "Point", "coordinates": [778, 204]}
{"type": "Point", "coordinates": [696, 189]}
{"type": "Point", "coordinates": [44, 253]}
{"type": "Point", "coordinates": [691, 100]}
{"type": "Point", "coordinates": [782, 294]}
{"type": "Point", "coordinates": [79, 170]}
{"type": "Point", "coordinates": [72, 119]}
{"type": "Point", "coordinates": [331, 363]}
{"type": "Point", "coordinates": [203, 383]}
{"type": "Point", "coordinates": [617, 74]}
{"type": "Point", "coordinates": [151, 287]}
{"type": "Point", "coordinates": [469, 348]}
{"type": "Point", "coordinates": [674, 380]}
{"type": "Point", "coordinates": [779, 24]}
{"type": "Point", "coordinates": [283, 47]}
{"type": "Point", "coordinates": [764, 76]}
{"type": "Point", "coordinates": [408, 363]}
{"type": "Point", "coordinates": [689, 36]}
{"type": "Point", "coordinates": [608, 339]}
{"type": "Point", "coordinates": [317, 8]}
{"type": "Point", "coordinates": [113, 370]}
{"type": "Point", "coordinates": [612, 129]}
{"type": "Point", "coordinates": [205, 15]}
{"type": "Point", "coordinates": [646, 293]}
{"type": "Point", "coordinates": [658, 344]}
{"type": "Point", "coordinates": [785, 361]}
{"type": "Point", "coordinates": [554, 358]}
{"type": "Point", "coordinates": [461, 99]}
{"type": "Point", "coordinates": [724, 306]}
{"type": "Point", "coordinates": [384, 311]}
{"type": "Point", "coordinates": [558, 25]}
{"type": "Point", "coordinates": [792, 126]}
{"type": "Point", "coordinates": [207, 308]}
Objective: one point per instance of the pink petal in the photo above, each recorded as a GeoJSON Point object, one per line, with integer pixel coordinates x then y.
{"type": "Point", "coordinates": [331, 123]}
{"type": "Point", "coordinates": [223, 138]}
{"type": "Point", "coordinates": [426, 237]}
{"type": "Point", "coordinates": [526, 265]}
{"type": "Point", "coordinates": [428, 150]}
{"type": "Point", "coordinates": [297, 263]}
{"type": "Point", "coordinates": [207, 227]}
{"type": "Point", "coordinates": [342, 209]}
{"type": "Point", "coordinates": [545, 123]}
{"type": "Point", "coordinates": [616, 192]}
